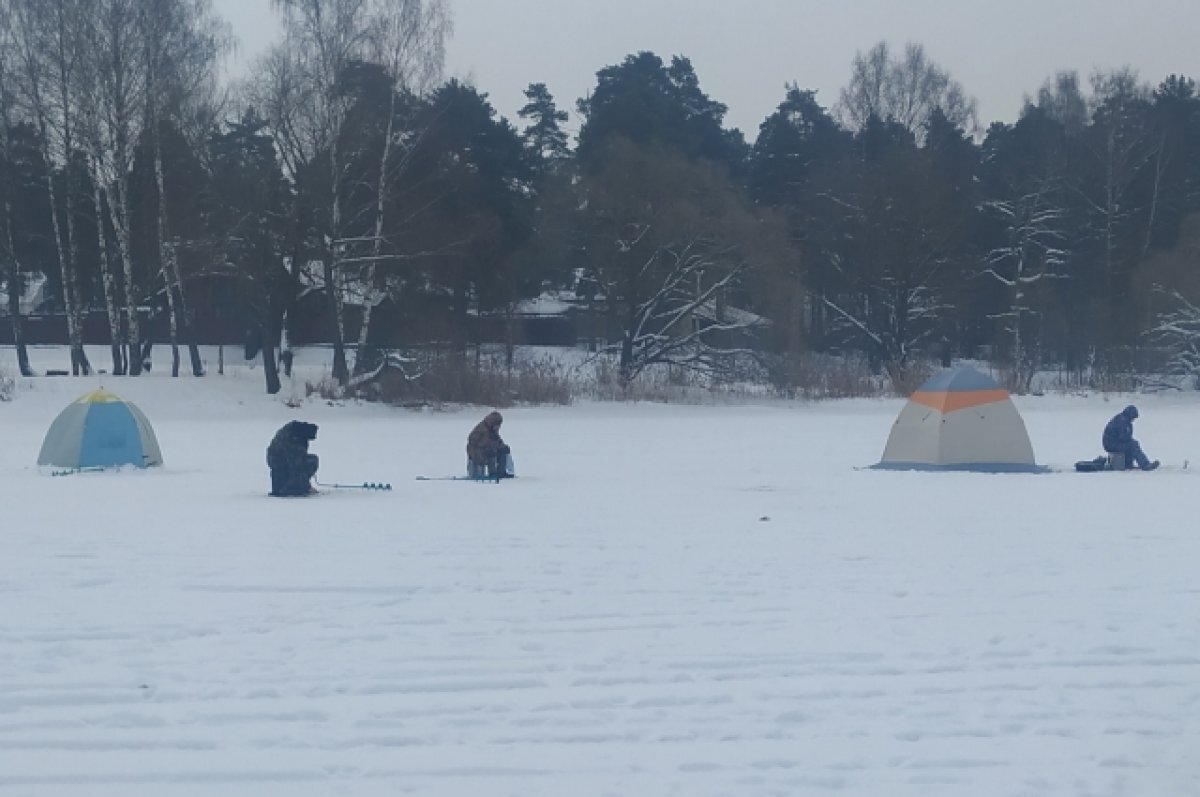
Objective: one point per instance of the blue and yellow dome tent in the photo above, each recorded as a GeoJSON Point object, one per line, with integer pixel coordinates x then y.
{"type": "Point", "coordinates": [960, 419]}
{"type": "Point", "coordinates": [100, 430]}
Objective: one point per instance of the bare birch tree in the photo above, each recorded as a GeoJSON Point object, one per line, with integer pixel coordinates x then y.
{"type": "Point", "coordinates": [48, 37]}
{"type": "Point", "coordinates": [410, 45]}
{"type": "Point", "coordinates": [670, 242]}
{"type": "Point", "coordinates": [321, 39]}
{"type": "Point", "coordinates": [8, 252]}
{"type": "Point", "coordinates": [278, 93]}
{"type": "Point", "coordinates": [92, 139]}
{"type": "Point", "coordinates": [907, 216]}
{"type": "Point", "coordinates": [1178, 329]}
{"type": "Point", "coordinates": [1031, 253]}
{"type": "Point", "coordinates": [183, 41]}
{"type": "Point", "coordinates": [1063, 101]}
{"type": "Point", "coordinates": [905, 90]}
{"type": "Point", "coordinates": [1122, 147]}
{"type": "Point", "coordinates": [308, 106]}
{"type": "Point", "coordinates": [112, 304]}
{"type": "Point", "coordinates": [117, 93]}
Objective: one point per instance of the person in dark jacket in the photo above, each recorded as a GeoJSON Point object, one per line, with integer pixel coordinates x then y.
{"type": "Point", "coordinates": [1118, 439]}
{"type": "Point", "coordinates": [292, 467]}
{"type": "Point", "coordinates": [487, 454]}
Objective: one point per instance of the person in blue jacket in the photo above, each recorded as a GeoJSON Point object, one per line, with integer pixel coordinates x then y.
{"type": "Point", "coordinates": [1118, 439]}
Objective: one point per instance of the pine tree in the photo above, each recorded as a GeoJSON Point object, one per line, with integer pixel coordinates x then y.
{"type": "Point", "coordinates": [544, 136]}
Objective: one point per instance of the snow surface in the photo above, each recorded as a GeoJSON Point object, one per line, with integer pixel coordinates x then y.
{"type": "Point", "coordinates": [670, 600]}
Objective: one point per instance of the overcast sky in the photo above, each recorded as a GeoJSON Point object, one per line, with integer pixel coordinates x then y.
{"type": "Point", "coordinates": [744, 52]}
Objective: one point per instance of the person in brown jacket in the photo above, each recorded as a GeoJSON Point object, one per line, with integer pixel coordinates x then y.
{"type": "Point", "coordinates": [487, 454]}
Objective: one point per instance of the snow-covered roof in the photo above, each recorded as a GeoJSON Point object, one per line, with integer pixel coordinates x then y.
{"type": "Point", "coordinates": [312, 277]}
{"type": "Point", "coordinates": [31, 297]}
{"type": "Point", "coordinates": [731, 315]}
{"type": "Point", "coordinates": [550, 303]}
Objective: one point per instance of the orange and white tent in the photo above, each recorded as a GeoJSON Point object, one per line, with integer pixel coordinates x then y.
{"type": "Point", "coordinates": [960, 419]}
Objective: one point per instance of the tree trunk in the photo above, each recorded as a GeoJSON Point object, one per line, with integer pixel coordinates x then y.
{"type": "Point", "coordinates": [164, 252]}
{"type": "Point", "coordinates": [625, 367]}
{"type": "Point", "coordinates": [341, 372]}
{"type": "Point", "coordinates": [106, 275]}
{"type": "Point", "coordinates": [459, 334]}
{"type": "Point", "coordinates": [75, 309]}
{"type": "Point", "coordinates": [68, 249]}
{"type": "Point", "coordinates": [364, 357]}
{"type": "Point", "coordinates": [510, 336]}
{"type": "Point", "coordinates": [271, 336]}
{"type": "Point", "coordinates": [289, 301]}
{"type": "Point", "coordinates": [818, 319]}
{"type": "Point", "coordinates": [79, 361]}
{"type": "Point", "coordinates": [14, 269]}
{"type": "Point", "coordinates": [119, 209]}
{"type": "Point", "coordinates": [14, 315]}
{"type": "Point", "coordinates": [1113, 331]}
{"type": "Point", "coordinates": [285, 344]}
{"type": "Point", "coordinates": [1018, 352]}
{"type": "Point", "coordinates": [1155, 193]}
{"type": "Point", "coordinates": [375, 279]}
{"type": "Point", "coordinates": [592, 323]}
{"type": "Point", "coordinates": [176, 301]}
{"type": "Point", "coordinates": [795, 332]}
{"type": "Point", "coordinates": [120, 223]}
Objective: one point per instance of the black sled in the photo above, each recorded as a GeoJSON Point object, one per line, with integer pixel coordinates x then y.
{"type": "Point", "coordinates": [1111, 462]}
{"type": "Point", "coordinates": [1092, 465]}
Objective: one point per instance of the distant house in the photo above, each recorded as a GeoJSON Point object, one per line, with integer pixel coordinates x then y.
{"type": "Point", "coordinates": [312, 280]}
{"type": "Point", "coordinates": [747, 326]}
{"type": "Point", "coordinates": [32, 297]}
{"type": "Point", "coordinates": [572, 317]}
{"type": "Point", "coordinates": [553, 318]}
{"type": "Point", "coordinates": [310, 317]}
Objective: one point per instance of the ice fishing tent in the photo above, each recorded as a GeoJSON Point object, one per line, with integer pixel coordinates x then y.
{"type": "Point", "coordinates": [100, 430]}
{"type": "Point", "coordinates": [960, 419]}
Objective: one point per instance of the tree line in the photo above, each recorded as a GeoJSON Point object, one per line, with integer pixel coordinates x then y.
{"type": "Point", "coordinates": [348, 179]}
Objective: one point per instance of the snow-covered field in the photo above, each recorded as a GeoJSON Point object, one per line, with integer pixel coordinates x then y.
{"type": "Point", "coordinates": [669, 601]}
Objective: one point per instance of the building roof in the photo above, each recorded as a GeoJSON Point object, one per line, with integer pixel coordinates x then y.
{"type": "Point", "coordinates": [731, 315]}
{"type": "Point", "coordinates": [31, 297]}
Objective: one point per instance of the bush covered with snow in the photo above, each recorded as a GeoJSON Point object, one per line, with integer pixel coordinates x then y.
{"type": "Point", "coordinates": [433, 377]}
{"type": "Point", "coordinates": [812, 375]}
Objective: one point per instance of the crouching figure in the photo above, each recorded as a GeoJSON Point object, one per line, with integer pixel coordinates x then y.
{"type": "Point", "coordinates": [488, 457]}
{"type": "Point", "coordinates": [292, 467]}
{"type": "Point", "coordinates": [1118, 439]}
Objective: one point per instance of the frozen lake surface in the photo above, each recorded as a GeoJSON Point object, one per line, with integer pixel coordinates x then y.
{"type": "Point", "coordinates": [670, 600]}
